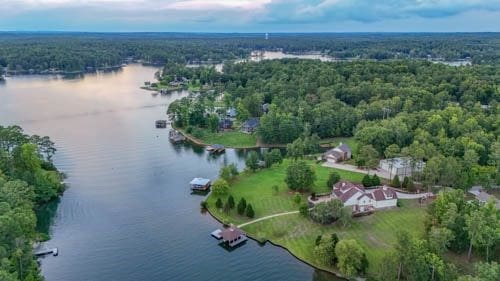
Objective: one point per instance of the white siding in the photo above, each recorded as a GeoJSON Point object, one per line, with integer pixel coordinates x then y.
{"type": "Point", "coordinates": [386, 203]}
{"type": "Point", "coordinates": [353, 200]}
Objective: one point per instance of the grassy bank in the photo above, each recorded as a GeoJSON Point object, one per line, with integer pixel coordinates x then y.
{"type": "Point", "coordinates": [376, 233]}
{"type": "Point", "coordinates": [233, 139]}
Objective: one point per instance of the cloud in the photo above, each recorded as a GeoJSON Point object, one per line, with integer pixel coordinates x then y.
{"type": "Point", "coordinates": [236, 14]}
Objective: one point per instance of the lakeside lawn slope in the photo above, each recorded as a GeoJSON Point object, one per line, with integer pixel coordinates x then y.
{"type": "Point", "coordinates": [375, 233]}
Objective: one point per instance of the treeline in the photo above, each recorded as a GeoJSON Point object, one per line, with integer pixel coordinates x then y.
{"type": "Point", "coordinates": [71, 52]}
{"type": "Point", "coordinates": [446, 116]}
{"type": "Point", "coordinates": [27, 179]}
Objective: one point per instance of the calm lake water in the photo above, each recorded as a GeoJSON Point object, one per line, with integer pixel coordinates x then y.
{"type": "Point", "coordinates": [128, 213]}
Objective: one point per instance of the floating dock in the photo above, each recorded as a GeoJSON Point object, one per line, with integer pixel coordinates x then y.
{"type": "Point", "coordinates": [53, 251]}
{"type": "Point", "coordinates": [161, 124]}
{"type": "Point", "coordinates": [217, 234]}
{"type": "Point", "coordinates": [200, 184]}
{"type": "Point", "coordinates": [216, 148]}
{"type": "Point", "coordinates": [176, 136]}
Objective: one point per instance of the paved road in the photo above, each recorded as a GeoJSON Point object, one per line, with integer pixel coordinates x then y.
{"type": "Point", "coordinates": [268, 217]}
{"type": "Point", "coordinates": [352, 168]}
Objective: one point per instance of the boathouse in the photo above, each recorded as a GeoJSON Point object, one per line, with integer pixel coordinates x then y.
{"type": "Point", "coordinates": [161, 124]}
{"type": "Point", "coordinates": [200, 184]}
{"type": "Point", "coordinates": [233, 236]}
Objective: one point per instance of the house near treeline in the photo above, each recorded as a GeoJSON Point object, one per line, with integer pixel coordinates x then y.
{"type": "Point", "coordinates": [340, 153]}
{"type": "Point", "coordinates": [401, 166]}
{"type": "Point", "coordinates": [250, 126]}
{"type": "Point", "coordinates": [225, 124]}
{"type": "Point", "coordinates": [231, 112]}
{"type": "Point", "coordinates": [355, 196]}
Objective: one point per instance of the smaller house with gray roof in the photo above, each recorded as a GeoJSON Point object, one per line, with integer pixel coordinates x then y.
{"type": "Point", "coordinates": [340, 153]}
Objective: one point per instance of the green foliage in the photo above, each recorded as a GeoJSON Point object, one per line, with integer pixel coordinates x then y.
{"type": "Point", "coordinates": [297, 198]}
{"type": "Point", "coordinates": [367, 181]}
{"type": "Point", "coordinates": [333, 178]}
{"type": "Point", "coordinates": [228, 172]}
{"type": "Point", "coordinates": [367, 157]}
{"type": "Point", "coordinates": [249, 211]}
{"type": "Point", "coordinates": [230, 201]}
{"type": "Point", "coordinates": [252, 161]}
{"type": "Point", "coordinates": [272, 157]}
{"type": "Point", "coordinates": [219, 203]}
{"type": "Point", "coordinates": [242, 206]}
{"type": "Point", "coordinates": [213, 122]}
{"type": "Point", "coordinates": [324, 251]}
{"type": "Point", "coordinates": [345, 217]}
{"type": "Point", "coordinates": [375, 180]}
{"type": "Point", "coordinates": [220, 187]}
{"type": "Point", "coordinates": [327, 212]}
{"type": "Point", "coordinates": [395, 181]}
{"type": "Point", "coordinates": [408, 184]}
{"type": "Point", "coordinates": [318, 240]}
{"type": "Point", "coordinates": [350, 257]}
{"type": "Point", "coordinates": [300, 176]}
{"type": "Point", "coordinates": [304, 210]}
{"type": "Point", "coordinates": [204, 204]}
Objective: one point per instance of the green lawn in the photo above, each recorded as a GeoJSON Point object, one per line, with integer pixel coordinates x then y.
{"type": "Point", "coordinates": [235, 139]}
{"type": "Point", "coordinates": [376, 233]}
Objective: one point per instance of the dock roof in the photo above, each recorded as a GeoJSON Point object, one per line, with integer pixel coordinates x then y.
{"type": "Point", "coordinates": [199, 181]}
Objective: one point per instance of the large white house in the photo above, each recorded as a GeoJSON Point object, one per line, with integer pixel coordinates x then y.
{"type": "Point", "coordinates": [401, 166]}
{"type": "Point", "coordinates": [361, 200]}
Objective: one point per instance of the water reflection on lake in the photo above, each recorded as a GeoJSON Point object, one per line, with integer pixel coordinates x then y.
{"type": "Point", "coordinates": [128, 213]}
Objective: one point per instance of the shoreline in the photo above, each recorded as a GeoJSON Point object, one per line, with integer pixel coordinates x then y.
{"type": "Point", "coordinates": [199, 142]}
{"type": "Point", "coordinates": [249, 235]}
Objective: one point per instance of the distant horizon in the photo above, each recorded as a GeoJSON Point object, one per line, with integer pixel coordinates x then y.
{"type": "Point", "coordinates": [251, 16]}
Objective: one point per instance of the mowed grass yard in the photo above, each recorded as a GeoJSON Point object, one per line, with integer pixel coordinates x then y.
{"type": "Point", "coordinates": [257, 189]}
{"type": "Point", "coordinates": [376, 233]}
{"type": "Point", "coordinates": [234, 139]}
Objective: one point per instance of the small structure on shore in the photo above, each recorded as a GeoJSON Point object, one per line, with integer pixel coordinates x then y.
{"type": "Point", "coordinates": [200, 184]}
{"type": "Point", "coordinates": [176, 136]}
{"type": "Point", "coordinates": [216, 148]}
{"type": "Point", "coordinates": [231, 236]}
{"type": "Point", "coordinates": [161, 124]}
{"type": "Point", "coordinates": [250, 126]}
{"type": "Point", "coordinates": [340, 153]}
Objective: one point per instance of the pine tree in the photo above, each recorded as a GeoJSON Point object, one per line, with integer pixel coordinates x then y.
{"type": "Point", "coordinates": [242, 205]}
{"type": "Point", "coordinates": [250, 213]}
{"type": "Point", "coordinates": [395, 181]}
{"type": "Point", "coordinates": [219, 203]}
{"type": "Point", "coordinates": [375, 180]}
{"type": "Point", "coordinates": [230, 202]}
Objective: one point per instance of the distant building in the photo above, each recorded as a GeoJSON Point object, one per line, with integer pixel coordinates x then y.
{"type": "Point", "coordinates": [250, 126]}
{"type": "Point", "coordinates": [484, 197]}
{"type": "Point", "coordinates": [401, 166]}
{"type": "Point", "coordinates": [340, 153]}
{"type": "Point", "coordinates": [265, 108]}
{"type": "Point", "coordinates": [231, 112]}
{"type": "Point", "coordinates": [225, 124]}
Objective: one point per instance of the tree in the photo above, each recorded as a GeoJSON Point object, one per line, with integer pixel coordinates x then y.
{"type": "Point", "coordinates": [228, 172]}
{"type": "Point", "coordinates": [366, 181]}
{"type": "Point", "coordinates": [213, 122]}
{"type": "Point", "coordinates": [304, 210]}
{"type": "Point", "coordinates": [395, 181]}
{"type": "Point", "coordinates": [220, 187]}
{"type": "Point", "coordinates": [367, 157]}
{"type": "Point", "coordinates": [350, 257]}
{"type": "Point", "coordinates": [375, 180]}
{"type": "Point", "coordinates": [297, 198]}
{"type": "Point", "coordinates": [295, 150]}
{"type": "Point", "coordinates": [219, 203]}
{"type": "Point", "coordinates": [249, 212]}
{"type": "Point", "coordinates": [272, 157]}
{"type": "Point", "coordinates": [252, 161]}
{"type": "Point", "coordinates": [300, 176]}
{"type": "Point", "coordinates": [333, 178]}
{"type": "Point", "coordinates": [482, 228]}
{"type": "Point", "coordinates": [242, 206]}
{"type": "Point", "coordinates": [345, 217]}
{"type": "Point", "coordinates": [326, 212]}
{"type": "Point", "coordinates": [439, 239]}
{"type": "Point", "coordinates": [230, 201]}
{"type": "Point", "coordinates": [324, 251]}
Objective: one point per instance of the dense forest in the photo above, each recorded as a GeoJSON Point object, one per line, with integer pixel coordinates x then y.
{"type": "Point", "coordinates": [84, 52]}
{"type": "Point", "coordinates": [446, 116]}
{"type": "Point", "coordinates": [27, 179]}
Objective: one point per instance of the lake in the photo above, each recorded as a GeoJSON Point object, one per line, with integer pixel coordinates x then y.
{"type": "Point", "coordinates": [128, 213]}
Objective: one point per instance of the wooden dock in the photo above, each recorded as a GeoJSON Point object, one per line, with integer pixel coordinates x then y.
{"type": "Point", "coordinates": [216, 148]}
{"type": "Point", "coordinates": [161, 124]}
{"type": "Point", "coordinates": [53, 251]}
{"type": "Point", "coordinates": [176, 136]}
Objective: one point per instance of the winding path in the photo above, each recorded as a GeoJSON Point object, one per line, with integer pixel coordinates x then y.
{"type": "Point", "coordinates": [268, 217]}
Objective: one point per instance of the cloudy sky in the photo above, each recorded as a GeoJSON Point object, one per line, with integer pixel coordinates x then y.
{"type": "Point", "coordinates": [251, 15]}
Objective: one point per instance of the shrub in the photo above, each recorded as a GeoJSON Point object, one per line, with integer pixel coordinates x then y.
{"type": "Point", "coordinates": [333, 178]}
{"type": "Point", "coordinates": [318, 240]}
{"type": "Point", "coordinates": [367, 181]}
{"type": "Point", "coordinates": [230, 202]}
{"type": "Point", "coordinates": [220, 187]}
{"type": "Point", "coordinates": [203, 204]}
{"type": "Point", "coordinates": [219, 203]}
{"type": "Point", "coordinates": [252, 161]}
{"type": "Point", "coordinates": [304, 210]}
{"type": "Point", "coordinates": [249, 212]}
{"type": "Point", "coordinates": [375, 180]}
{"type": "Point", "coordinates": [395, 181]}
{"type": "Point", "coordinates": [326, 212]}
{"type": "Point", "coordinates": [297, 198]}
{"type": "Point", "coordinates": [242, 205]}
{"type": "Point", "coordinates": [189, 129]}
